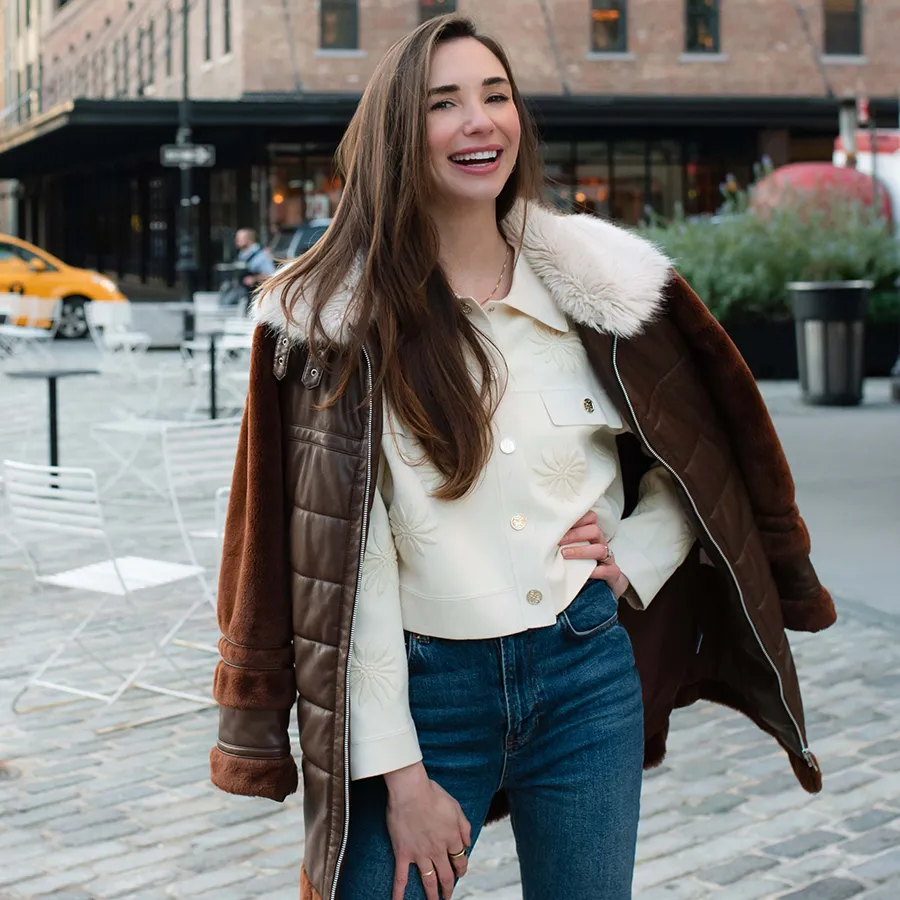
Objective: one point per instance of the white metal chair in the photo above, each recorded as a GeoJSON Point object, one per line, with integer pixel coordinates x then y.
{"type": "Point", "coordinates": [55, 501]}
{"type": "Point", "coordinates": [112, 330]}
{"type": "Point", "coordinates": [198, 460]}
{"type": "Point", "coordinates": [30, 327]}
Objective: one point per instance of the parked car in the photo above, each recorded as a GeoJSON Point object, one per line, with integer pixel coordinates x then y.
{"type": "Point", "coordinates": [294, 240]}
{"type": "Point", "coordinates": [26, 269]}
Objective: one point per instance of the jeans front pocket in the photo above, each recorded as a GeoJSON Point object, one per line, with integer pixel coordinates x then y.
{"type": "Point", "coordinates": [594, 611]}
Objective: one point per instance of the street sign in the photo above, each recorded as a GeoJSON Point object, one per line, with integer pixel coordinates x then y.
{"type": "Point", "coordinates": [187, 156]}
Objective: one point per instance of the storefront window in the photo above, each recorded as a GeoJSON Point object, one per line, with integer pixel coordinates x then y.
{"type": "Point", "coordinates": [592, 183]}
{"type": "Point", "coordinates": [223, 214]}
{"type": "Point", "coordinates": [302, 189]}
{"type": "Point", "coordinates": [665, 178]}
{"type": "Point", "coordinates": [629, 172]}
{"type": "Point", "coordinates": [559, 175]}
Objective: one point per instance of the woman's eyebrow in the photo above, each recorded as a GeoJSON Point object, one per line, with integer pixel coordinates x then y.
{"type": "Point", "coordinates": [454, 88]}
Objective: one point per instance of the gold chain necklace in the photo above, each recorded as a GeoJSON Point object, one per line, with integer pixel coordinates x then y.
{"type": "Point", "coordinates": [490, 296]}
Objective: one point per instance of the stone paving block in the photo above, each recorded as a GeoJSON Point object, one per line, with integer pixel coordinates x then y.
{"type": "Point", "coordinates": [208, 881]}
{"type": "Point", "coordinates": [52, 881]}
{"type": "Point", "coordinates": [207, 859]}
{"type": "Point", "coordinates": [874, 842]}
{"type": "Point", "coordinates": [850, 780]}
{"type": "Point", "coordinates": [874, 818]}
{"type": "Point", "coordinates": [152, 879]}
{"type": "Point", "coordinates": [716, 805]}
{"type": "Point", "coordinates": [128, 860]}
{"type": "Point", "coordinates": [806, 869]}
{"type": "Point", "coordinates": [174, 831]}
{"type": "Point", "coordinates": [892, 764]}
{"type": "Point", "coordinates": [889, 891]}
{"type": "Point", "coordinates": [737, 869]}
{"type": "Point", "coordinates": [827, 889]}
{"type": "Point", "coordinates": [803, 844]}
{"type": "Point", "coordinates": [881, 868]}
{"type": "Point", "coordinates": [109, 831]}
{"type": "Point", "coordinates": [219, 837]}
{"type": "Point", "coordinates": [87, 819]}
{"type": "Point", "coordinates": [882, 748]}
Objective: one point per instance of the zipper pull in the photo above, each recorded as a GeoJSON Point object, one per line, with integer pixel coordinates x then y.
{"type": "Point", "coordinates": [811, 760]}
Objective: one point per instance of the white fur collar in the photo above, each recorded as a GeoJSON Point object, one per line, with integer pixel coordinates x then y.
{"type": "Point", "coordinates": [597, 273]}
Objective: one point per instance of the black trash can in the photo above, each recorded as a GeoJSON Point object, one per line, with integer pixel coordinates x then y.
{"type": "Point", "coordinates": [830, 320]}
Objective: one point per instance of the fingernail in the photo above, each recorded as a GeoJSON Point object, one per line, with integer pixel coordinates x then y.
{"type": "Point", "coordinates": [567, 553]}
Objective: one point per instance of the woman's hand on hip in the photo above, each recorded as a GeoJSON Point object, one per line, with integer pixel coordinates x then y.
{"type": "Point", "coordinates": [587, 529]}
{"type": "Point", "coordinates": [427, 827]}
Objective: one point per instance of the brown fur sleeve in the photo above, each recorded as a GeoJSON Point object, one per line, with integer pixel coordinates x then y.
{"type": "Point", "coordinates": [806, 605]}
{"type": "Point", "coordinates": [254, 680]}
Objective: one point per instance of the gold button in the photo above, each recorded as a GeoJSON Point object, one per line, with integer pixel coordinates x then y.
{"type": "Point", "coordinates": [588, 404]}
{"type": "Point", "coordinates": [507, 445]}
{"type": "Point", "coordinates": [467, 308]}
{"type": "Point", "coordinates": [534, 597]}
{"type": "Point", "coordinates": [518, 522]}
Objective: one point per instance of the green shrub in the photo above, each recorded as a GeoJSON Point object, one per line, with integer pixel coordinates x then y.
{"type": "Point", "coordinates": [741, 260]}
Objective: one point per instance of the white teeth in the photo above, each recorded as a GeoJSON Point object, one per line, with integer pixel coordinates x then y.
{"type": "Point", "coordinates": [480, 155]}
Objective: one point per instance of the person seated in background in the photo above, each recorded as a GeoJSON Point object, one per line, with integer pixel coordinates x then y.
{"type": "Point", "coordinates": [256, 261]}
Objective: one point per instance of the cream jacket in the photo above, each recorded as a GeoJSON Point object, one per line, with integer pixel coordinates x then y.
{"type": "Point", "coordinates": [490, 564]}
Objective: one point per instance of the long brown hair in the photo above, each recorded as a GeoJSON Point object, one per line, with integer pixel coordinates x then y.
{"type": "Point", "coordinates": [403, 308]}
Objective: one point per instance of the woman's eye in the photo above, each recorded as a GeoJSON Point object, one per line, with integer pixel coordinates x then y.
{"type": "Point", "coordinates": [497, 98]}
{"type": "Point", "coordinates": [442, 104]}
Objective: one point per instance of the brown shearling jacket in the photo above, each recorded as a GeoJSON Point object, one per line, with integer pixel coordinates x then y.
{"type": "Point", "coordinates": [303, 485]}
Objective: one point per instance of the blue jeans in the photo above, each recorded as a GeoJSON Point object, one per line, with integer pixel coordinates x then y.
{"type": "Point", "coordinates": [551, 715]}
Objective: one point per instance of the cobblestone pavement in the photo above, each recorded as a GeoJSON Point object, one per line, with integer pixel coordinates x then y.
{"type": "Point", "coordinates": [115, 803]}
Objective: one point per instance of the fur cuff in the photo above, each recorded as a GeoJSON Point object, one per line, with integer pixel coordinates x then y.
{"type": "Point", "coordinates": [273, 779]}
{"type": "Point", "coordinates": [810, 614]}
{"type": "Point", "coordinates": [307, 891]}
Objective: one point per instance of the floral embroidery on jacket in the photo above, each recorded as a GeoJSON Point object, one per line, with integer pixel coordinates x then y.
{"type": "Point", "coordinates": [380, 564]}
{"type": "Point", "coordinates": [563, 348]}
{"type": "Point", "coordinates": [563, 472]}
{"type": "Point", "coordinates": [411, 530]}
{"type": "Point", "coordinates": [374, 675]}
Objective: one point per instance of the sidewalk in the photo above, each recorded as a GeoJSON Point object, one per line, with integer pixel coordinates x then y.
{"type": "Point", "coordinates": [91, 810]}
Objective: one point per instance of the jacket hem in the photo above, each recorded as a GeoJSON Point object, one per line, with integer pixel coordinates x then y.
{"type": "Point", "coordinates": [307, 891]}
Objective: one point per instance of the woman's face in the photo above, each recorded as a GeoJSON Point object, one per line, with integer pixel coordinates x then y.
{"type": "Point", "coordinates": [472, 124]}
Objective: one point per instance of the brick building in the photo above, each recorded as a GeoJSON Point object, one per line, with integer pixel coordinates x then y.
{"type": "Point", "coordinates": [642, 104]}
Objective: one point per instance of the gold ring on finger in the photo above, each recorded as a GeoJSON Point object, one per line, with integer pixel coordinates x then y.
{"type": "Point", "coordinates": [426, 874]}
{"type": "Point", "coordinates": [458, 855]}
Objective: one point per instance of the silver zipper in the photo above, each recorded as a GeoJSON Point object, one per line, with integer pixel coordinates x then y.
{"type": "Point", "coordinates": [804, 750]}
{"type": "Point", "coordinates": [362, 553]}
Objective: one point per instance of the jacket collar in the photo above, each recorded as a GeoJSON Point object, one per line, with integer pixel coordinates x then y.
{"type": "Point", "coordinates": [598, 274]}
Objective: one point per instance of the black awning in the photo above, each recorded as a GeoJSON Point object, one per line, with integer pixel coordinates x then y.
{"type": "Point", "coordinates": [92, 134]}
{"type": "Point", "coordinates": [89, 134]}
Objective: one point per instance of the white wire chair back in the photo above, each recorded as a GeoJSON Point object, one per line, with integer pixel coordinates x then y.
{"type": "Point", "coordinates": [54, 498]}
{"type": "Point", "coordinates": [198, 459]}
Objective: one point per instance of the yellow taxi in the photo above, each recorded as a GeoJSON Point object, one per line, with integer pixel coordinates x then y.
{"type": "Point", "coordinates": [26, 269]}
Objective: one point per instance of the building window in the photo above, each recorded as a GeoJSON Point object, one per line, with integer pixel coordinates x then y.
{"type": "Point", "coordinates": [29, 105]}
{"type": "Point", "coordinates": [843, 27]}
{"type": "Point", "coordinates": [28, 13]}
{"type": "Point", "coordinates": [702, 26]}
{"type": "Point", "coordinates": [125, 85]}
{"type": "Point", "coordinates": [339, 26]}
{"type": "Point", "coordinates": [101, 81]}
{"type": "Point", "coordinates": [207, 30]}
{"type": "Point", "coordinates": [226, 26]}
{"type": "Point", "coordinates": [609, 26]}
{"type": "Point", "coordinates": [151, 52]}
{"type": "Point", "coordinates": [117, 72]}
{"type": "Point", "coordinates": [139, 46]}
{"type": "Point", "coordinates": [169, 27]}
{"type": "Point", "coordinates": [428, 9]}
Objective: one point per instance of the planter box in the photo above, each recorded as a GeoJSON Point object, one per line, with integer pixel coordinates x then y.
{"type": "Point", "coordinates": [770, 348]}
